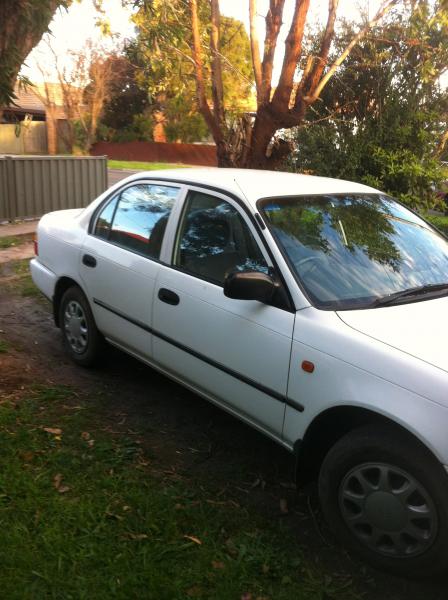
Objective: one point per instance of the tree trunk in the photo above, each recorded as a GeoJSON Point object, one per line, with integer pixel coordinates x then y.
{"type": "Point", "coordinates": [257, 146]}
{"type": "Point", "coordinates": [158, 131]}
{"type": "Point", "coordinates": [52, 134]}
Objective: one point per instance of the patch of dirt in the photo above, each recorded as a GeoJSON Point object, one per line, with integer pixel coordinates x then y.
{"type": "Point", "coordinates": [186, 435]}
{"type": "Point", "coordinates": [25, 250]}
{"type": "Point", "coordinates": [14, 375]}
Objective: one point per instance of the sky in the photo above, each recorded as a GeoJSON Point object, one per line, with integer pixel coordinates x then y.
{"type": "Point", "coordinates": [71, 29]}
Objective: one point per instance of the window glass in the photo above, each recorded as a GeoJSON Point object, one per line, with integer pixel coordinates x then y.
{"type": "Point", "coordinates": [214, 240]}
{"type": "Point", "coordinates": [141, 217]}
{"type": "Point", "coordinates": [104, 220]}
{"type": "Point", "coordinates": [350, 250]}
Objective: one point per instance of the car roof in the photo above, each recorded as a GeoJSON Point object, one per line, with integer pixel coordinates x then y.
{"type": "Point", "coordinates": [253, 184]}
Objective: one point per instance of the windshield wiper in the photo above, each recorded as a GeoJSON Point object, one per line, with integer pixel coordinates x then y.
{"type": "Point", "coordinates": [416, 291]}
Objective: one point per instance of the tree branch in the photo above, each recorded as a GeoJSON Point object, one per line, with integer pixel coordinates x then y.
{"type": "Point", "coordinates": [316, 73]}
{"type": "Point", "coordinates": [442, 144]}
{"type": "Point", "coordinates": [200, 86]}
{"type": "Point", "coordinates": [255, 47]}
{"type": "Point", "coordinates": [273, 25]}
{"type": "Point", "coordinates": [217, 87]}
{"type": "Point", "coordinates": [385, 8]}
{"type": "Point", "coordinates": [293, 50]}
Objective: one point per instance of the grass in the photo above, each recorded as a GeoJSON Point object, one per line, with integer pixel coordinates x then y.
{"type": "Point", "coordinates": [4, 346]}
{"type": "Point", "coordinates": [17, 279]}
{"type": "Point", "coordinates": [84, 515]}
{"type": "Point", "coordinates": [9, 242]}
{"type": "Point", "coordinates": [22, 281]}
{"type": "Point", "coordinates": [142, 166]}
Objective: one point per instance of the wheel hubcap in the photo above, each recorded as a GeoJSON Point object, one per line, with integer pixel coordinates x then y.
{"type": "Point", "coordinates": [75, 327]}
{"type": "Point", "coordinates": [388, 510]}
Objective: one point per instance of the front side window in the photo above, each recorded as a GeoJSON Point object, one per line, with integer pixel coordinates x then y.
{"type": "Point", "coordinates": [137, 218]}
{"type": "Point", "coordinates": [214, 240]}
{"type": "Point", "coordinates": [357, 250]}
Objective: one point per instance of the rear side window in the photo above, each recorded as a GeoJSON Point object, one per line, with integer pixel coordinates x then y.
{"type": "Point", "coordinates": [104, 220]}
{"type": "Point", "coordinates": [137, 218]}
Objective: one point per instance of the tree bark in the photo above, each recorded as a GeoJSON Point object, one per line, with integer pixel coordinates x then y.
{"type": "Point", "coordinates": [216, 119]}
{"type": "Point", "coordinates": [255, 46]}
{"type": "Point", "coordinates": [217, 86]}
{"type": "Point", "coordinates": [52, 133]}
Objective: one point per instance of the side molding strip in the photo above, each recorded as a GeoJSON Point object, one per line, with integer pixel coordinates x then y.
{"type": "Point", "coordinates": [206, 359]}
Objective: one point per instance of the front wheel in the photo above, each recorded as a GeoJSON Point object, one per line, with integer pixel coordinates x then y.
{"type": "Point", "coordinates": [386, 498]}
{"type": "Point", "coordinates": [81, 338]}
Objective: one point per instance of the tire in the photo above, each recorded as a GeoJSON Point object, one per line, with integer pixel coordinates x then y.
{"type": "Point", "coordinates": [385, 497]}
{"type": "Point", "coordinates": [81, 338]}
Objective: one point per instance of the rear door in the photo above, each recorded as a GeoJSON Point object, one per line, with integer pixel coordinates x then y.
{"type": "Point", "coordinates": [237, 352]}
{"type": "Point", "coordinates": [120, 261]}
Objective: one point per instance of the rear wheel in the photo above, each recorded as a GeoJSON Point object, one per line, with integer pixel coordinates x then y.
{"type": "Point", "coordinates": [81, 338]}
{"type": "Point", "coordinates": [386, 498]}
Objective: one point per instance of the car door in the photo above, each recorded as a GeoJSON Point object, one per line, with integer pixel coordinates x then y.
{"type": "Point", "coordinates": [119, 261]}
{"type": "Point", "coordinates": [236, 352]}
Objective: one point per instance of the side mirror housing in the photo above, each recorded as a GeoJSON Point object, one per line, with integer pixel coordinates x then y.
{"type": "Point", "coordinates": [249, 285]}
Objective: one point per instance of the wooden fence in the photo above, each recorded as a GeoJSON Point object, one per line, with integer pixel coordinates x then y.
{"type": "Point", "coordinates": [29, 138]}
{"type": "Point", "coordinates": [189, 154]}
{"type": "Point", "coordinates": [31, 186]}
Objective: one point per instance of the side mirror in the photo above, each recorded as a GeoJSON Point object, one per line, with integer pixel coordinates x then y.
{"type": "Point", "coordinates": [249, 285]}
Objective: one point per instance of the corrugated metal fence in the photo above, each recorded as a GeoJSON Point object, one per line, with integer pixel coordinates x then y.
{"type": "Point", "coordinates": [31, 186]}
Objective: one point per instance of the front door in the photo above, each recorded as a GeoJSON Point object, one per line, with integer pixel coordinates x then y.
{"type": "Point", "coordinates": [236, 352]}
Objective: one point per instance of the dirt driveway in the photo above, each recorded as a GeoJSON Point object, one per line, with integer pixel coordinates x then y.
{"type": "Point", "coordinates": [184, 433]}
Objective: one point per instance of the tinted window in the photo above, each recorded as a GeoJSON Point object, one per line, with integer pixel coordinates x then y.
{"type": "Point", "coordinates": [141, 216]}
{"type": "Point", "coordinates": [350, 250]}
{"type": "Point", "coordinates": [215, 240]}
{"type": "Point", "coordinates": [104, 220]}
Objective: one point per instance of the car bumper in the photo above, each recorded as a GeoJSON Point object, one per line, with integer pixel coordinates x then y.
{"type": "Point", "coordinates": [44, 279]}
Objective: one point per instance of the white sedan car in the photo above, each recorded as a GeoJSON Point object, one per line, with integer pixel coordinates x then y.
{"type": "Point", "coordinates": [316, 310]}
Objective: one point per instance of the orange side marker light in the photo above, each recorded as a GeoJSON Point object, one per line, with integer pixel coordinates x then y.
{"type": "Point", "coordinates": [308, 366]}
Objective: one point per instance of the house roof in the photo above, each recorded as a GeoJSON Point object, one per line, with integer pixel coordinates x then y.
{"type": "Point", "coordinates": [32, 98]}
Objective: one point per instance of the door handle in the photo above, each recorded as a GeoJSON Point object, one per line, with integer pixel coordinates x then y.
{"type": "Point", "coordinates": [168, 296]}
{"type": "Point", "coordinates": [89, 260]}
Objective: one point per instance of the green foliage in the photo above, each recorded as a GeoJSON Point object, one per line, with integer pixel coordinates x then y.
{"type": "Point", "coordinates": [22, 24]}
{"type": "Point", "coordinates": [381, 119]}
{"type": "Point", "coordinates": [163, 47]}
{"type": "Point", "coordinates": [140, 130]}
{"type": "Point", "coordinates": [438, 221]}
{"type": "Point", "coordinates": [136, 165]}
{"type": "Point", "coordinates": [80, 135]}
{"type": "Point", "coordinates": [183, 122]}
{"type": "Point", "coordinates": [126, 97]}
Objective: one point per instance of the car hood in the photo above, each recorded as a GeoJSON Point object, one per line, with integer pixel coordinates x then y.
{"type": "Point", "coordinates": [418, 328]}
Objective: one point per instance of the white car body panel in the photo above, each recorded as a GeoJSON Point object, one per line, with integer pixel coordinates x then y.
{"type": "Point", "coordinates": [351, 369]}
{"type": "Point", "coordinates": [60, 237]}
{"type": "Point", "coordinates": [389, 360]}
{"type": "Point", "coordinates": [249, 338]}
{"type": "Point", "coordinates": [117, 272]}
{"type": "Point", "coordinates": [419, 329]}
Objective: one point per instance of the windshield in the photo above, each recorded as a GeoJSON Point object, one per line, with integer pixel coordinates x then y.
{"type": "Point", "coordinates": [349, 250]}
